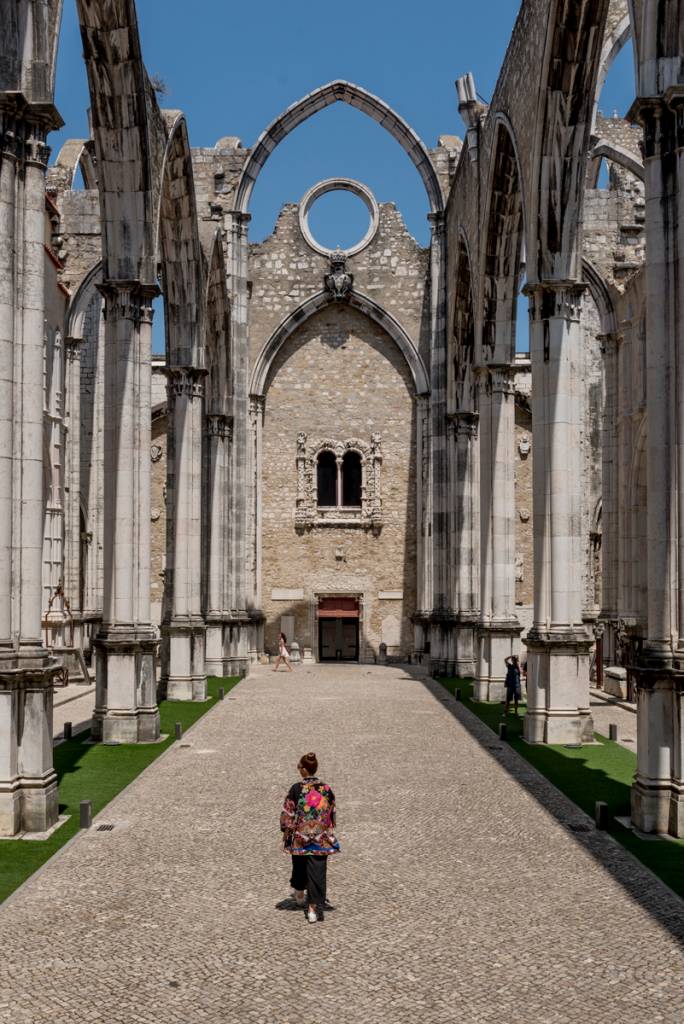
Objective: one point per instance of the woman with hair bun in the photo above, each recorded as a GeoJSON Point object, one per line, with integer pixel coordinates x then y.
{"type": "Point", "coordinates": [307, 822]}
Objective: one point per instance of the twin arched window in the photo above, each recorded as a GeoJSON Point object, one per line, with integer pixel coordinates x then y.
{"type": "Point", "coordinates": [338, 481]}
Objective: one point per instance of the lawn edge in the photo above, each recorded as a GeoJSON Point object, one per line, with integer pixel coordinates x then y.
{"type": "Point", "coordinates": [608, 835]}
{"type": "Point", "coordinates": [35, 874]}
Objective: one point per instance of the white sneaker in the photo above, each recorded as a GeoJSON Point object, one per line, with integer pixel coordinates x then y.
{"type": "Point", "coordinates": [312, 917]}
{"type": "Point", "coordinates": [299, 897]}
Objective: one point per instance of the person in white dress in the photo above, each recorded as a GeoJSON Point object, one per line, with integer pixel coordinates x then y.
{"type": "Point", "coordinates": [283, 653]}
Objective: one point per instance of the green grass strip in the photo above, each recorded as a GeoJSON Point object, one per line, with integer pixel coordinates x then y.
{"type": "Point", "coordinates": [585, 775]}
{"type": "Point", "coordinates": [97, 773]}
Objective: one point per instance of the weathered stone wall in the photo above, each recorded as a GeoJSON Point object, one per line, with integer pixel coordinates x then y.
{"type": "Point", "coordinates": [285, 271]}
{"type": "Point", "coordinates": [340, 376]}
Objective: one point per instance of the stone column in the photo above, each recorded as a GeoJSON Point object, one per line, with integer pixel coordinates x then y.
{"type": "Point", "coordinates": [558, 643]}
{"type": "Point", "coordinates": [28, 783]}
{"type": "Point", "coordinates": [610, 549]}
{"type": "Point", "coordinates": [53, 531]}
{"type": "Point", "coordinates": [423, 523]}
{"type": "Point", "coordinates": [183, 629]}
{"type": "Point", "coordinates": [499, 627]}
{"type": "Point", "coordinates": [465, 541]}
{"type": "Point", "coordinates": [219, 439]}
{"type": "Point", "coordinates": [244, 610]}
{"type": "Point", "coordinates": [658, 791]}
{"type": "Point", "coordinates": [72, 467]}
{"type": "Point", "coordinates": [439, 468]}
{"type": "Point", "coordinates": [125, 701]}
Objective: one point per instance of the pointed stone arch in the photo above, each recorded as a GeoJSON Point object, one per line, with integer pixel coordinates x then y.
{"type": "Point", "coordinates": [462, 338]}
{"type": "Point", "coordinates": [219, 362]}
{"type": "Point", "coordinates": [128, 134]}
{"type": "Point", "coordinates": [357, 300]}
{"type": "Point", "coordinates": [179, 251]}
{"type": "Point", "coordinates": [359, 98]}
{"type": "Point", "coordinates": [568, 86]}
{"type": "Point", "coordinates": [504, 237]}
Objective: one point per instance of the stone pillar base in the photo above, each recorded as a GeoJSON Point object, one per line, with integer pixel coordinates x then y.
{"type": "Point", "coordinates": [186, 677]}
{"type": "Point", "coordinates": [125, 686]}
{"type": "Point", "coordinates": [651, 806]}
{"type": "Point", "coordinates": [28, 783]}
{"type": "Point", "coordinates": [214, 662]}
{"type": "Point", "coordinates": [496, 642]}
{"type": "Point", "coordinates": [658, 790]}
{"type": "Point", "coordinates": [558, 689]}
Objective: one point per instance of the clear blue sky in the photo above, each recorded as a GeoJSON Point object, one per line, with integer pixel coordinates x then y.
{"type": "Point", "coordinates": [233, 67]}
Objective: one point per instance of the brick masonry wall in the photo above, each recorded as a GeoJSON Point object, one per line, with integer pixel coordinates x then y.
{"type": "Point", "coordinates": [340, 376]}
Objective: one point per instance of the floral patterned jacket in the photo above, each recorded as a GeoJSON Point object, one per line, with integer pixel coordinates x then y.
{"type": "Point", "coordinates": [307, 820]}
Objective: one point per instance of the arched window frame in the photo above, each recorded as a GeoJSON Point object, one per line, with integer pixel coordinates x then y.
{"type": "Point", "coordinates": [308, 513]}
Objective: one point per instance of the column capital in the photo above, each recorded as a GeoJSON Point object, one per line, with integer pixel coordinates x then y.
{"type": "Point", "coordinates": [662, 119]}
{"type": "Point", "coordinates": [128, 300]}
{"type": "Point", "coordinates": [499, 379]}
{"type": "Point", "coordinates": [464, 424]}
{"type": "Point", "coordinates": [555, 299]}
{"type": "Point", "coordinates": [256, 405]}
{"type": "Point", "coordinates": [73, 347]}
{"type": "Point", "coordinates": [610, 342]}
{"type": "Point", "coordinates": [221, 426]}
{"type": "Point", "coordinates": [437, 219]}
{"type": "Point", "coordinates": [185, 380]}
{"type": "Point", "coordinates": [240, 216]}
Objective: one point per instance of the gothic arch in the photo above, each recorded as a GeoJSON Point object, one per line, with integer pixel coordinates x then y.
{"type": "Point", "coordinates": [78, 307]}
{"type": "Point", "coordinates": [605, 150]}
{"type": "Point", "coordinates": [179, 252]}
{"type": "Point", "coordinates": [76, 154]}
{"type": "Point", "coordinates": [462, 340]}
{"type": "Point", "coordinates": [504, 237]}
{"type": "Point", "coordinates": [657, 26]}
{"type": "Point", "coordinates": [568, 87]}
{"type": "Point", "coordinates": [313, 305]}
{"type": "Point", "coordinates": [340, 92]}
{"type": "Point", "coordinates": [128, 133]}
{"type": "Point", "coordinates": [616, 38]}
{"type": "Point", "coordinates": [28, 48]}
{"type": "Point", "coordinates": [601, 296]}
{"type": "Point", "coordinates": [218, 333]}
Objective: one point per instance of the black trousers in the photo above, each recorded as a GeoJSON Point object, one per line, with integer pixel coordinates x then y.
{"type": "Point", "coordinates": [309, 873]}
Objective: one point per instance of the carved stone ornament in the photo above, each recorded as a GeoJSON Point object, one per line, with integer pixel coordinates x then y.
{"type": "Point", "coordinates": [156, 452]}
{"type": "Point", "coordinates": [524, 446]}
{"type": "Point", "coordinates": [155, 514]}
{"type": "Point", "coordinates": [307, 512]}
{"type": "Point", "coordinates": [339, 282]}
{"type": "Point", "coordinates": [524, 515]}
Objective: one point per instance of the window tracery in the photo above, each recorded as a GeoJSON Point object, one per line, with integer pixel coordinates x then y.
{"type": "Point", "coordinates": [338, 483]}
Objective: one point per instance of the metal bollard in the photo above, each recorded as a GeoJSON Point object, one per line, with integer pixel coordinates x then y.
{"type": "Point", "coordinates": [503, 731]}
{"type": "Point", "coordinates": [457, 694]}
{"type": "Point", "coordinates": [613, 732]}
{"type": "Point", "coordinates": [601, 814]}
{"type": "Point", "coordinates": [86, 813]}
{"type": "Point", "coordinates": [221, 693]}
{"type": "Point", "coordinates": [179, 730]}
{"type": "Point", "coordinates": [68, 731]}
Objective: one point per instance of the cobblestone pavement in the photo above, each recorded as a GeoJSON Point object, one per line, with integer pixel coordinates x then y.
{"type": "Point", "coordinates": [462, 894]}
{"type": "Point", "coordinates": [73, 704]}
{"type": "Point", "coordinates": [605, 711]}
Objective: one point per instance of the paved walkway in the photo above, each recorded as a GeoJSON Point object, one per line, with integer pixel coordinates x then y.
{"type": "Point", "coordinates": [73, 703]}
{"type": "Point", "coordinates": [607, 710]}
{"type": "Point", "coordinates": [462, 894]}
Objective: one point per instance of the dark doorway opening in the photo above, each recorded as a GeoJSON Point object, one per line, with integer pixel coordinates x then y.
{"type": "Point", "coordinates": [338, 629]}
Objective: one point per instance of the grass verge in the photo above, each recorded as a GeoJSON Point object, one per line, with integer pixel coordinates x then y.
{"type": "Point", "coordinates": [98, 773]}
{"type": "Point", "coordinates": [585, 775]}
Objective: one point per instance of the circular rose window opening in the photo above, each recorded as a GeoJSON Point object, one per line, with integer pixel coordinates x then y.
{"type": "Point", "coordinates": [340, 213]}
